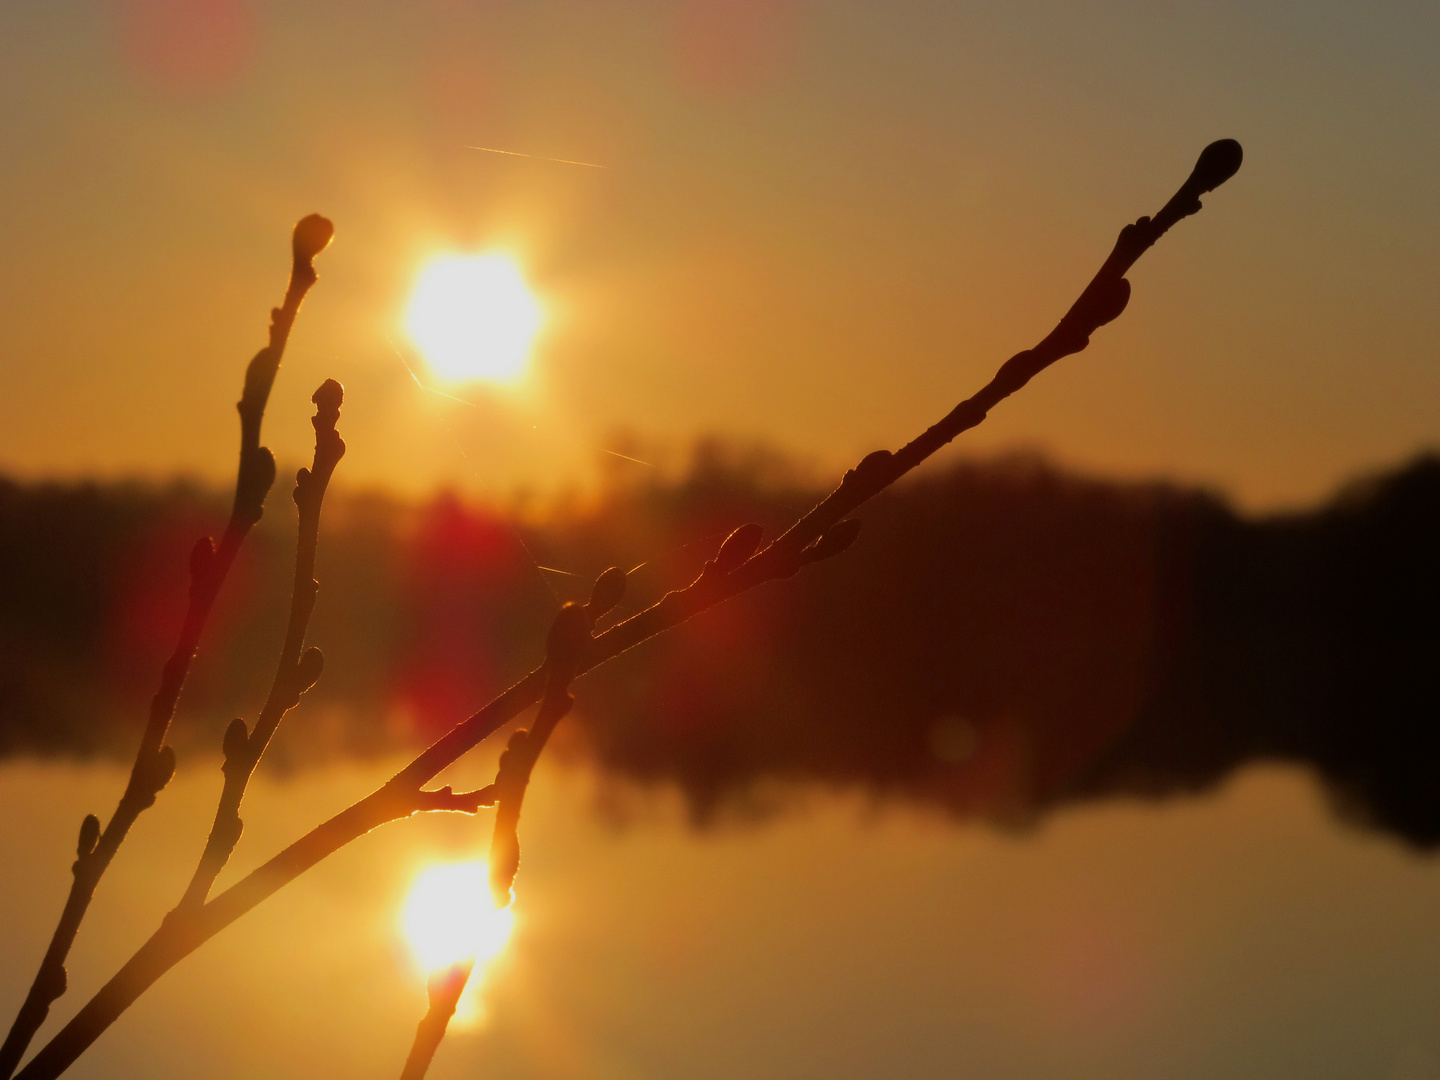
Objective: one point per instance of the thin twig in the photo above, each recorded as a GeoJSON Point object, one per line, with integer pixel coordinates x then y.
{"type": "Point", "coordinates": [819, 534]}
{"type": "Point", "coordinates": [209, 565]}
{"type": "Point", "coordinates": [455, 802]}
{"type": "Point", "coordinates": [568, 635]}
{"type": "Point", "coordinates": [443, 989]}
{"type": "Point", "coordinates": [297, 671]}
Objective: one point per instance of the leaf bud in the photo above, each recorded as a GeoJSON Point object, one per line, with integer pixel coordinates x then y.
{"type": "Point", "coordinates": [327, 400]}
{"type": "Point", "coordinates": [609, 590]}
{"type": "Point", "coordinates": [738, 547]}
{"type": "Point", "coordinates": [312, 235]}
{"type": "Point", "coordinates": [237, 740]}
{"type": "Point", "coordinates": [257, 474]}
{"type": "Point", "coordinates": [89, 835]}
{"type": "Point", "coordinates": [1110, 302]}
{"type": "Point", "coordinates": [1218, 162]}
{"type": "Point", "coordinates": [308, 669]}
{"type": "Point", "coordinates": [832, 541]}
{"type": "Point", "coordinates": [156, 774]}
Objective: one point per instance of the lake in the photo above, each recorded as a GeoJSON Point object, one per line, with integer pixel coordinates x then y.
{"type": "Point", "coordinates": [1241, 934]}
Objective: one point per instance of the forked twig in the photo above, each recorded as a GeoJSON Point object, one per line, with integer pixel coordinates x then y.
{"type": "Point", "coordinates": [737, 567]}
{"type": "Point", "coordinates": [564, 647]}
{"type": "Point", "coordinates": [209, 565]}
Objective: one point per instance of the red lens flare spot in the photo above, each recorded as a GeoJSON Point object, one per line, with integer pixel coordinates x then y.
{"type": "Point", "coordinates": [188, 47]}
{"type": "Point", "coordinates": [147, 596]}
{"type": "Point", "coordinates": [458, 565]}
{"type": "Point", "coordinates": [724, 47]}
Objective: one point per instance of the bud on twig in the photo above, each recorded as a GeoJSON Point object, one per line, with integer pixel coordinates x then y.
{"type": "Point", "coordinates": [1110, 302]}
{"type": "Point", "coordinates": [236, 742]}
{"type": "Point", "coordinates": [312, 235]}
{"type": "Point", "coordinates": [609, 590]}
{"type": "Point", "coordinates": [52, 982]}
{"type": "Point", "coordinates": [738, 547]}
{"type": "Point", "coordinates": [874, 470]}
{"type": "Point", "coordinates": [1218, 162]}
{"type": "Point", "coordinates": [257, 474]}
{"type": "Point", "coordinates": [327, 399]}
{"type": "Point", "coordinates": [329, 446]}
{"type": "Point", "coordinates": [307, 671]}
{"type": "Point", "coordinates": [832, 541]}
{"type": "Point", "coordinates": [151, 776]}
{"type": "Point", "coordinates": [89, 835]}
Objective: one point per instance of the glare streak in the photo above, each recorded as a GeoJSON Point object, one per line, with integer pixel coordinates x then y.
{"type": "Point", "coordinates": [538, 157]}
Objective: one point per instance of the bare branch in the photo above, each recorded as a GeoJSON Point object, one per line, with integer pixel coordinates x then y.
{"type": "Point", "coordinates": [443, 989]}
{"type": "Point", "coordinates": [568, 635]}
{"type": "Point", "coordinates": [209, 565]}
{"type": "Point", "coordinates": [1101, 301]}
{"type": "Point", "coordinates": [459, 802]}
{"type": "Point", "coordinates": [296, 672]}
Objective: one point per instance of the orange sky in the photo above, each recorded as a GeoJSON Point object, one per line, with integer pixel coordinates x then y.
{"type": "Point", "coordinates": [820, 224]}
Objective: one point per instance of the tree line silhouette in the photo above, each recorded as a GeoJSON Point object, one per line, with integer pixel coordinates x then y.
{"type": "Point", "coordinates": [1003, 639]}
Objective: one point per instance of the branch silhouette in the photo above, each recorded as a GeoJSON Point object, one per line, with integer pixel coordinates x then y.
{"type": "Point", "coordinates": [296, 672]}
{"type": "Point", "coordinates": [209, 565]}
{"type": "Point", "coordinates": [567, 639]}
{"type": "Point", "coordinates": [739, 565]}
{"type": "Point", "coordinates": [443, 990]}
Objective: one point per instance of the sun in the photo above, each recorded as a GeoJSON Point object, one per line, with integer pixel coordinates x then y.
{"type": "Point", "coordinates": [449, 918]}
{"type": "Point", "coordinates": [473, 317]}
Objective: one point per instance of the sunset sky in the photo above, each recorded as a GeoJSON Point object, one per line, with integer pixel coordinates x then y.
{"type": "Point", "coordinates": [816, 225]}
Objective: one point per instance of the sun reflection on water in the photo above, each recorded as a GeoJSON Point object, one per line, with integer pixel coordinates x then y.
{"type": "Point", "coordinates": [449, 919]}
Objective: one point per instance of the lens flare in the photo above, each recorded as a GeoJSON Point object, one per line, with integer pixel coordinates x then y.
{"type": "Point", "coordinates": [474, 317]}
{"type": "Point", "coordinates": [449, 918]}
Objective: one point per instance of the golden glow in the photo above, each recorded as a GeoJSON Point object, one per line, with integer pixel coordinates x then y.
{"type": "Point", "coordinates": [473, 317]}
{"type": "Point", "coordinates": [449, 917]}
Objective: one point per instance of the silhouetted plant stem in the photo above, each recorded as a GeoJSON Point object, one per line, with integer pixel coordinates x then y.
{"type": "Point", "coordinates": [296, 672]}
{"type": "Point", "coordinates": [443, 990]}
{"type": "Point", "coordinates": [209, 565]}
{"type": "Point", "coordinates": [566, 644]}
{"type": "Point", "coordinates": [568, 635]}
{"type": "Point", "coordinates": [737, 567]}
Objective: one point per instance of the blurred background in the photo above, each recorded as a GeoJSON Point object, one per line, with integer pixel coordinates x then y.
{"type": "Point", "coordinates": [1107, 751]}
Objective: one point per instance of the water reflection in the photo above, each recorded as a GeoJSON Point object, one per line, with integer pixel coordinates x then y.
{"type": "Point", "coordinates": [1237, 934]}
{"type": "Point", "coordinates": [1004, 640]}
{"type": "Point", "coordinates": [449, 919]}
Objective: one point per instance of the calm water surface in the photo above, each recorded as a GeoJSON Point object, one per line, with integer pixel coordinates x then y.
{"type": "Point", "coordinates": [1243, 934]}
